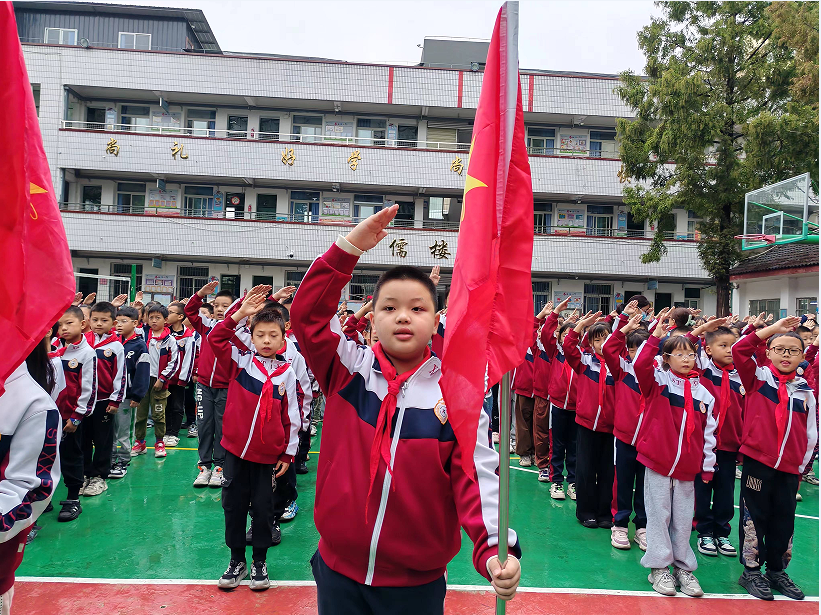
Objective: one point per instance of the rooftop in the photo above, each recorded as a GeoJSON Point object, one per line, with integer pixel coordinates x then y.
{"type": "Point", "coordinates": [774, 258]}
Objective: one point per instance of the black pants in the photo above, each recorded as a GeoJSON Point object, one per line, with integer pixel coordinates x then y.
{"type": "Point", "coordinates": [594, 475]}
{"type": "Point", "coordinates": [336, 594]}
{"type": "Point", "coordinates": [767, 516]}
{"type": "Point", "coordinates": [71, 461]}
{"type": "Point", "coordinates": [714, 500]}
{"type": "Point", "coordinates": [244, 484]}
{"type": "Point", "coordinates": [494, 418]}
{"type": "Point", "coordinates": [191, 404]}
{"type": "Point", "coordinates": [98, 441]}
{"type": "Point", "coordinates": [175, 410]}
{"type": "Point", "coordinates": [564, 444]}
{"type": "Point", "coordinates": [304, 445]}
{"type": "Point", "coordinates": [286, 492]}
{"type": "Point", "coordinates": [629, 475]}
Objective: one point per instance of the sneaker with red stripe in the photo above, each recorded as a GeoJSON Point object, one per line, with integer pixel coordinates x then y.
{"type": "Point", "coordinates": [159, 449]}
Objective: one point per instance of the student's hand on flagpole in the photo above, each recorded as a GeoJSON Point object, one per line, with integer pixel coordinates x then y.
{"type": "Point", "coordinates": [504, 577]}
{"type": "Point", "coordinates": [284, 293]}
{"type": "Point", "coordinates": [208, 289]}
{"type": "Point", "coordinates": [434, 275]}
{"type": "Point", "coordinates": [89, 300]}
{"type": "Point", "coordinates": [632, 324]}
{"type": "Point", "coordinates": [368, 233]}
{"type": "Point", "coordinates": [281, 468]}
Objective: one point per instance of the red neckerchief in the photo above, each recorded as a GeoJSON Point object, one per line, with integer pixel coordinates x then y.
{"type": "Point", "coordinates": [91, 336]}
{"type": "Point", "coordinates": [602, 380]}
{"type": "Point", "coordinates": [165, 333]}
{"type": "Point", "coordinates": [689, 409]}
{"type": "Point", "coordinates": [130, 337]}
{"type": "Point", "coordinates": [62, 350]}
{"type": "Point", "coordinates": [782, 408]}
{"type": "Point", "coordinates": [266, 398]}
{"type": "Point", "coordinates": [381, 446]}
{"type": "Point", "coordinates": [723, 396]}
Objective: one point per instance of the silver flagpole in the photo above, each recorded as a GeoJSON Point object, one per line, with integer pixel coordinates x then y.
{"type": "Point", "coordinates": [504, 474]}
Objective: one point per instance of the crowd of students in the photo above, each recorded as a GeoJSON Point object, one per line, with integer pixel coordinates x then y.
{"type": "Point", "coordinates": [643, 415]}
{"type": "Point", "coordinates": [649, 415]}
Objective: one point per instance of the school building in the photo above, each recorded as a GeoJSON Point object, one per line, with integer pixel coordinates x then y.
{"type": "Point", "coordinates": [193, 163]}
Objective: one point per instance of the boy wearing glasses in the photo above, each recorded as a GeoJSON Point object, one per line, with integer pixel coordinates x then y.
{"type": "Point", "coordinates": [777, 441]}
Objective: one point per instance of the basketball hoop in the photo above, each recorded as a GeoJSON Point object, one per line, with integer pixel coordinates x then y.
{"type": "Point", "coordinates": [767, 239]}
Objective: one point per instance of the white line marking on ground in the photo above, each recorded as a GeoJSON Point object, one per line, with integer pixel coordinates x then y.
{"type": "Point", "coordinates": [797, 515]}
{"type": "Point", "coordinates": [460, 588]}
{"type": "Point", "coordinates": [524, 469]}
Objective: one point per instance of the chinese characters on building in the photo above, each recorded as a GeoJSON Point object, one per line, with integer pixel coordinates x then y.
{"type": "Point", "coordinates": [353, 160]}
{"type": "Point", "coordinates": [398, 248]}
{"type": "Point", "coordinates": [288, 156]}
{"type": "Point", "coordinates": [456, 166]}
{"type": "Point", "coordinates": [112, 147]}
{"type": "Point", "coordinates": [439, 250]}
{"type": "Point", "coordinates": [178, 149]}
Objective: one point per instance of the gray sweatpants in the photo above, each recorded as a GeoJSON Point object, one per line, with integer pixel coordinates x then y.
{"type": "Point", "coordinates": [210, 408]}
{"type": "Point", "coordinates": [670, 504]}
{"type": "Point", "coordinates": [123, 433]}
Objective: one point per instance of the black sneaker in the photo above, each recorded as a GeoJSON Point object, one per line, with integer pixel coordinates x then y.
{"type": "Point", "coordinates": [49, 508]}
{"type": "Point", "coordinates": [70, 511]}
{"type": "Point", "coordinates": [755, 584]}
{"type": "Point", "coordinates": [236, 572]}
{"type": "Point", "coordinates": [259, 577]}
{"type": "Point", "coordinates": [248, 536]}
{"type": "Point", "coordinates": [780, 582]}
{"type": "Point", "coordinates": [276, 535]}
{"type": "Point", "coordinates": [605, 523]}
{"type": "Point", "coordinates": [591, 523]}
{"type": "Point", "coordinates": [301, 467]}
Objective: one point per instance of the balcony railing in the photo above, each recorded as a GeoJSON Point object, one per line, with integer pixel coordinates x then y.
{"type": "Point", "coordinates": [252, 135]}
{"type": "Point", "coordinates": [442, 225]}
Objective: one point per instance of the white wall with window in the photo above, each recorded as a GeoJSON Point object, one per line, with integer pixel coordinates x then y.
{"type": "Point", "coordinates": [603, 144]}
{"type": "Point", "coordinates": [542, 217]}
{"type": "Point", "coordinates": [131, 198]}
{"type": "Point", "coordinates": [540, 140]}
{"type": "Point", "coordinates": [365, 205]}
{"type": "Point", "coordinates": [305, 205]}
{"type": "Point", "coordinates": [60, 36]}
{"type": "Point", "coordinates": [541, 295]}
{"type": "Point", "coordinates": [308, 127]}
{"type": "Point", "coordinates": [598, 298]}
{"type": "Point", "coordinates": [138, 117]}
{"type": "Point", "coordinates": [600, 220]}
{"type": "Point", "coordinates": [134, 40]}
{"type": "Point", "coordinates": [793, 292]}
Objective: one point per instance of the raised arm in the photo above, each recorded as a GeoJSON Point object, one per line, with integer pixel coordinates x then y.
{"type": "Point", "coordinates": [202, 325]}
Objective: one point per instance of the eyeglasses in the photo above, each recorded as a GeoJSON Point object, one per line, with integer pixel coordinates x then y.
{"type": "Point", "coordinates": [681, 357]}
{"type": "Point", "coordinates": [793, 352]}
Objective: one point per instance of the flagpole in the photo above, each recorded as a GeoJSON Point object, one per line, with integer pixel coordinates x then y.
{"type": "Point", "coordinates": [504, 474]}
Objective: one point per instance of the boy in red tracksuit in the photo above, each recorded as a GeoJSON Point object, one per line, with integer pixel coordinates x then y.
{"type": "Point", "coordinates": [594, 420]}
{"type": "Point", "coordinates": [186, 349]}
{"type": "Point", "coordinates": [260, 425]}
{"type": "Point", "coordinates": [562, 385]}
{"type": "Point", "coordinates": [675, 444]}
{"type": "Point", "coordinates": [541, 402]}
{"type": "Point", "coordinates": [389, 456]}
{"type": "Point", "coordinates": [714, 499]}
{"type": "Point", "coordinates": [356, 324]}
{"type": "Point", "coordinates": [619, 351]}
{"type": "Point", "coordinates": [777, 441]}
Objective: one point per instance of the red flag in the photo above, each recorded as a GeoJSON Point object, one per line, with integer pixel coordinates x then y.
{"type": "Point", "coordinates": [491, 303]}
{"type": "Point", "coordinates": [37, 279]}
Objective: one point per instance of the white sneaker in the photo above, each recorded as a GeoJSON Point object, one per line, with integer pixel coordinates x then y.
{"type": "Point", "coordinates": [571, 491]}
{"type": "Point", "coordinates": [525, 461]}
{"type": "Point", "coordinates": [216, 478]}
{"type": "Point", "coordinates": [313, 430]}
{"type": "Point", "coordinates": [86, 480]}
{"type": "Point", "coordinates": [171, 441]}
{"type": "Point", "coordinates": [738, 472]}
{"type": "Point", "coordinates": [688, 582]}
{"type": "Point", "coordinates": [810, 478]}
{"type": "Point", "coordinates": [557, 491]}
{"type": "Point", "coordinates": [619, 538]}
{"type": "Point", "coordinates": [662, 581]}
{"type": "Point", "coordinates": [495, 437]}
{"type": "Point", "coordinates": [203, 478]}
{"type": "Point", "coordinates": [641, 538]}
{"type": "Point", "coordinates": [95, 487]}
{"type": "Point", "coordinates": [512, 447]}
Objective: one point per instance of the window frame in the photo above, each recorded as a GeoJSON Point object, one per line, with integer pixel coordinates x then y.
{"type": "Point", "coordinates": [810, 300]}
{"type": "Point", "coordinates": [135, 35]}
{"type": "Point", "coordinates": [307, 138]}
{"type": "Point", "coordinates": [197, 280]}
{"type": "Point", "coordinates": [372, 140]}
{"type": "Point", "coordinates": [604, 300]}
{"type": "Point", "coordinates": [61, 30]}
{"type": "Point", "coordinates": [236, 133]}
{"type": "Point", "coordinates": [367, 286]}
{"type": "Point", "coordinates": [131, 194]}
{"type": "Point", "coordinates": [117, 286]}
{"type": "Point", "coordinates": [269, 136]}
{"type": "Point", "coordinates": [757, 306]}
{"type": "Point", "coordinates": [544, 149]}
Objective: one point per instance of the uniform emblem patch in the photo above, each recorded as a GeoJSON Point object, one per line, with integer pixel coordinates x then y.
{"type": "Point", "coordinates": [742, 391]}
{"type": "Point", "coordinates": [441, 411]}
{"type": "Point", "coordinates": [703, 407]}
{"type": "Point", "coordinates": [282, 388]}
{"type": "Point", "coordinates": [800, 371]}
{"type": "Point", "coordinates": [73, 363]}
{"type": "Point", "coordinates": [107, 352]}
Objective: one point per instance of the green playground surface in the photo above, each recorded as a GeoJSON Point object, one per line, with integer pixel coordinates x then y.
{"type": "Point", "coordinates": [154, 525]}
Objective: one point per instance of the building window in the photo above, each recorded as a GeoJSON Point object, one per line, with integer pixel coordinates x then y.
{"type": "Point", "coordinates": [191, 279]}
{"type": "Point", "coordinates": [60, 36]}
{"type": "Point", "coordinates": [600, 220]}
{"type": "Point", "coordinates": [201, 122]}
{"type": "Point", "coordinates": [635, 228]}
{"type": "Point", "coordinates": [130, 198]}
{"type": "Point", "coordinates": [542, 217]}
{"type": "Point", "coordinates": [806, 305]}
{"type": "Point", "coordinates": [308, 127]}
{"type": "Point", "coordinates": [365, 205]}
{"type": "Point", "coordinates": [541, 295]}
{"type": "Point", "coordinates": [137, 117]}
{"type": "Point", "coordinates": [405, 216]}
{"type": "Point", "coordinates": [199, 202]}
{"type": "Point", "coordinates": [603, 144]}
{"type": "Point", "coordinates": [266, 207]}
{"type": "Point", "coordinates": [667, 226]}
{"type": "Point", "coordinates": [267, 280]}
{"type": "Point", "coordinates": [768, 306]}
{"type": "Point", "coordinates": [305, 206]}
{"type": "Point", "coordinates": [87, 283]}
{"type": "Point", "coordinates": [692, 298]}
{"type": "Point", "coordinates": [294, 278]}
{"type": "Point", "coordinates": [540, 140]}
{"type": "Point", "coordinates": [362, 286]}
{"type": "Point", "coordinates": [135, 40]}
{"type": "Point", "coordinates": [371, 131]}
{"type": "Point", "coordinates": [598, 298]}
{"type": "Point", "coordinates": [268, 129]}
{"type": "Point", "coordinates": [238, 126]}
{"type": "Point", "coordinates": [123, 270]}
{"type": "Point", "coordinates": [407, 136]}
{"type": "Point", "coordinates": [229, 281]}
{"type": "Point", "coordinates": [35, 90]}
{"type": "Point", "coordinates": [692, 225]}
{"type": "Point", "coordinates": [95, 118]}
{"type": "Point", "coordinates": [92, 198]}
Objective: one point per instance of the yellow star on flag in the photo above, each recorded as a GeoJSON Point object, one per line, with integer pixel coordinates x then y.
{"type": "Point", "coordinates": [35, 189]}
{"type": "Point", "coordinates": [470, 181]}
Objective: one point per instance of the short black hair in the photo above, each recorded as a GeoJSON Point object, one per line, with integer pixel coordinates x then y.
{"type": "Point", "coordinates": [405, 272]}
{"type": "Point", "coordinates": [637, 337]}
{"type": "Point", "coordinates": [129, 312]}
{"type": "Point", "coordinates": [680, 316]}
{"type": "Point", "coordinates": [104, 307]}
{"type": "Point", "coordinates": [225, 293]}
{"type": "Point", "coordinates": [289, 299]}
{"type": "Point", "coordinates": [208, 307]}
{"type": "Point", "coordinates": [803, 329]}
{"type": "Point", "coordinates": [85, 306]}
{"type": "Point", "coordinates": [266, 316]}
{"type": "Point", "coordinates": [565, 326]}
{"type": "Point", "coordinates": [350, 312]}
{"type": "Point", "coordinates": [711, 336]}
{"type": "Point", "coordinates": [76, 311]}
{"type": "Point", "coordinates": [156, 309]}
{"type": "Point", "coordinates": [598, 330]}
{"type": "Point", "coordinates": [642, 301]}
{"type": "Point", "coordinates": [179, 305]}
{"type": "Point", "coordinates": [278, 307]}
{"type": "Point", "coordinates": [791, 334]}
{"type": "Point", "coordinates": [677, 342]}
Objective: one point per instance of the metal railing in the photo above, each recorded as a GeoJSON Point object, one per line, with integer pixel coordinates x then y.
{"type": "Point", "coordinates": [267, 216]}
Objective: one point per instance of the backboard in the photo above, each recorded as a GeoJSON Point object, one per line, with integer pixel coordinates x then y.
{"type": "Point", "coordinates": [786, 212]}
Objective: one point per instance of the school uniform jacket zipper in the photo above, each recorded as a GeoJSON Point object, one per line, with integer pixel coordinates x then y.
{"type": "Point", "coordinates": [680, 440]}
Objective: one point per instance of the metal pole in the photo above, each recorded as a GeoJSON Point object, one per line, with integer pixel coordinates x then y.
{"type": "Point", "coordinates": [504, 474]}
{"type": "Point", "coordinates": [133, 290]}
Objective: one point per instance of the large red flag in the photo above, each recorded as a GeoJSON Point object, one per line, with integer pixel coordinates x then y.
{"type": "Point", "coordinates": [36, 279]}
{"type": "Point", "coordinates": [490, 310]}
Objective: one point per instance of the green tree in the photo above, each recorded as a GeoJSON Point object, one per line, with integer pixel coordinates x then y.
{"type": "Point", "coordinates": [720, 112]}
